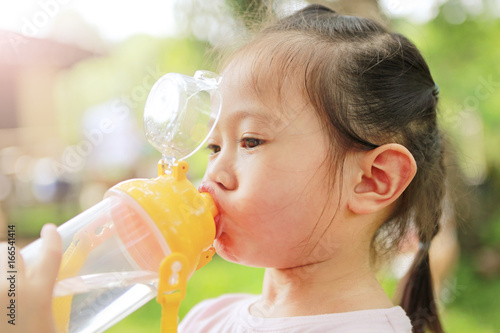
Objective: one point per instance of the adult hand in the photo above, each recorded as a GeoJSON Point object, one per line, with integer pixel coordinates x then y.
{"type": "Point", "coordinates": [26, 296]}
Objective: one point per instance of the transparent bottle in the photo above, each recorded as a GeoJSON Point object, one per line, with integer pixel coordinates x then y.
{"type": "Point", "coordinates": [147, 236]}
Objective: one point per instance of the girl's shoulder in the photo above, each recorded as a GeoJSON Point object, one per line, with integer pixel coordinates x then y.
{"type": "Point", "coordinates": [229, 313]}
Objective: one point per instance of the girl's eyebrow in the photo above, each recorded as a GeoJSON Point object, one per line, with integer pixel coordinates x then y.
{"type": "Point", "coordinates": [238, 116]}
{"type": "Point", "coordinates": [241, 115]}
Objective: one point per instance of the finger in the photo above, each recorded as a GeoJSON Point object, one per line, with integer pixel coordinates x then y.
{"type": "Point", "coordinates": [50, 254]}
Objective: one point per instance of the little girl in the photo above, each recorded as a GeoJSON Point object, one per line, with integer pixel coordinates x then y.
{"type": "Point", "coordinates": [326, 151]}
{"type": "Point", "coordinates": [325, 121]}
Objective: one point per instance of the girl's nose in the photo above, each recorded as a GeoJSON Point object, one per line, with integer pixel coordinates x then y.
{"type": "Point", "coordinates": [221, 173]}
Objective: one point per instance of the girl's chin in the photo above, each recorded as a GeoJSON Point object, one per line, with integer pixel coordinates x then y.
{"type": "Point", "coordinates": [223, 248]}
{"type": "Point", "coordinates": [227, 256]}
{"type": "Point", "coordinates": [226, 252]}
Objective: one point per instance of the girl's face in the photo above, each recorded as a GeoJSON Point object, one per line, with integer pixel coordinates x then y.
{"type": "Point", "coordinates": [269, 175]}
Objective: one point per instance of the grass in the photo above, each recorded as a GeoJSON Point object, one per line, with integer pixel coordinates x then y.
{"type": "Point", "coordinates": [29, 220]}
{"type": "Point", "coordinates": [474, 302]}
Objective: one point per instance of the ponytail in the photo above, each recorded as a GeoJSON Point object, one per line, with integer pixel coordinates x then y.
{"type": "Point", "coordinates": [418, 296]}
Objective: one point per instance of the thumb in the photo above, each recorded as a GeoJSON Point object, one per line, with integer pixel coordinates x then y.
{"type": "Point", "coordinates": [50, 255]}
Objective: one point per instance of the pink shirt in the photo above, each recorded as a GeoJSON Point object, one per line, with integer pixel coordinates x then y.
{"type": "Point", "coordinates": [229, 313]}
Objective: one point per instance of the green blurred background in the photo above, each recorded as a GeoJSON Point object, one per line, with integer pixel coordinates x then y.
{"type": "Point", "coordinates": [72, 95]}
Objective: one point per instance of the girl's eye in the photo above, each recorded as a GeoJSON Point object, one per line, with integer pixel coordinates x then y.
{"type": "Point", "coordinates": [214, 149]}
{"type": "Point", "coordinates": [250, 143]}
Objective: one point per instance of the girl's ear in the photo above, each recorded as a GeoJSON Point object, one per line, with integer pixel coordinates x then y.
{"type": "Point", "coordinates": [381, 175]}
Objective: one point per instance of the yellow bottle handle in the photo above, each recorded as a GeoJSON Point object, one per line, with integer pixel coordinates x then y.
{"type": "Point", "coordinates": [172, 289]}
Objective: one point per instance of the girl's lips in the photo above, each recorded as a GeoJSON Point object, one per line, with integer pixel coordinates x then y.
{"type": "Point", "coordinates": [205, 188]}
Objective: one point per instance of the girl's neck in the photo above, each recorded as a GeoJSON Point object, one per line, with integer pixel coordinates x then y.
{"type": "Point", "coordinates": [331, 286]}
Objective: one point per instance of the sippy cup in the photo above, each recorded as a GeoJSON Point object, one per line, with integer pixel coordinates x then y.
{"type": "Point", "coordinates": [147, 236]}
